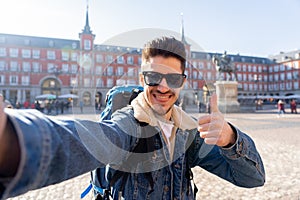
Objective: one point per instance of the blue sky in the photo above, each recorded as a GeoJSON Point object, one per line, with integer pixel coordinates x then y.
{"type": "Point", "coordinates": [256, 28]}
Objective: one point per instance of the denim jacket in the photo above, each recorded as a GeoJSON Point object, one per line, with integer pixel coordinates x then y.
{"type": "Point", "coordinates": [55, 150]}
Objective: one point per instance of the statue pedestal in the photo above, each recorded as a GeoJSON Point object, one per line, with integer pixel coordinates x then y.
{"type": "Point", "coordinates": [227, 96]}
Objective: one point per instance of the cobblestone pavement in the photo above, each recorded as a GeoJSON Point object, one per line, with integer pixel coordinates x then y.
{"type": "Point", "coordinates": [276, 138]}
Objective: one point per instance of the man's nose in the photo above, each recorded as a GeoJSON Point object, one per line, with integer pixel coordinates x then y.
{"type": "Point", "coordinates": [163, 86]}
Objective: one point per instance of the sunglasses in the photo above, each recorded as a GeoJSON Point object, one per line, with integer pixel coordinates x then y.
{"type": "Point", "coordinates": [173, 80]}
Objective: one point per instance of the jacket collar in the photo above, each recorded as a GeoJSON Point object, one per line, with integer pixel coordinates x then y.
{"type": "Point", "coordinates": [144, 113]}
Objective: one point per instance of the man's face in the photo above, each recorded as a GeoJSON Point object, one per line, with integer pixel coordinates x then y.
{"type": "Point", "coordinates": [161, 97]}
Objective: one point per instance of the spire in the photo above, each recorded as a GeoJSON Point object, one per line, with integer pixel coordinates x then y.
{"type": "Point", "coordinates": [87, 29]}
{"type": "Point", "coordinates": [182, 30]}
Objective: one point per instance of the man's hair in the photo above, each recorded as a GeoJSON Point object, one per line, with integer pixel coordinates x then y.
{"type": "Point", "coordinates": [165, 47]}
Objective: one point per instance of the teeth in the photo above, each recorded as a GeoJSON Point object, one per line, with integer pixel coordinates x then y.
{"type": "Point", "coordinates": [162, 97]}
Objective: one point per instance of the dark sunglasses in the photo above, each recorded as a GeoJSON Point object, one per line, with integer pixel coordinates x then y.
{"type": "Point", "coordinates": [173, 80]}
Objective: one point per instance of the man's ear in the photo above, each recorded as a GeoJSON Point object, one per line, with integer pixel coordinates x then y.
{"type": "Point", "coordinates": [141, 79]}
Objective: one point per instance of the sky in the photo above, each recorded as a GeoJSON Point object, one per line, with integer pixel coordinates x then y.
{"type": "Point", "coordinates": [254, 28]}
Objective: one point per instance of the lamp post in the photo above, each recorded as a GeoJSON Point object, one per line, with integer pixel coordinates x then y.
{"type": "Point", "coordinates": [56, 73]}
{"type": "Point", "coordinates": [256, 80]}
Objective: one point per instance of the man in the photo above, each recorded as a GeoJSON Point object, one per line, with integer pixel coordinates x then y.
{"type": "Point", "coordinates": [36, 151]}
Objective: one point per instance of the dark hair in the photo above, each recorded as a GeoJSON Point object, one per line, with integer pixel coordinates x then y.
{"type": "Point", "coordinates": [166, 47]}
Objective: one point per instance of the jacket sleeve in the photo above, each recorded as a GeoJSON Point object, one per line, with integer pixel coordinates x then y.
{"type": "Point", "coordinates": [240, 164]}
{"type": "Point", "coordinates": [55, 150]}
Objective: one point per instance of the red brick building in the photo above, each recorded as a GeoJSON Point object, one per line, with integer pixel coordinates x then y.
{"type": "Point", "coordinates": [31, 66]}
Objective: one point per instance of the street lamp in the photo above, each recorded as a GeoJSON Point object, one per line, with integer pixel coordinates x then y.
{"type": "Point", "coordinates": [56, 72]}
{"type": "Point", "coordinates": [256, 80]}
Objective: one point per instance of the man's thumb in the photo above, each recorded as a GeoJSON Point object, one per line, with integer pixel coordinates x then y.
{"type": "Point", "coordinates": [214, 103]}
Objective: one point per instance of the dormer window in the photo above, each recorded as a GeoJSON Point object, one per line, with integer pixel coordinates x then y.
{"type": "Point", "coordinates": [74, 45]}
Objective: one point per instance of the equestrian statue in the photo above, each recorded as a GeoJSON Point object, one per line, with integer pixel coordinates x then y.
{"type": "Point", "coordinates": [224, 65]}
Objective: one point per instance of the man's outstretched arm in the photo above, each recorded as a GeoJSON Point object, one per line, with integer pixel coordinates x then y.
{"type": "Point", "coordinates": [9, 145]}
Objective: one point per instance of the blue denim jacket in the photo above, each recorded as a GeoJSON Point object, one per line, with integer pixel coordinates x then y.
{"type": "Point", "coordinates": [56, 150]}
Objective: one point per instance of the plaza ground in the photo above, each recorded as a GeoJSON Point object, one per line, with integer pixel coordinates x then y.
{"type": "Point", "coordinates": [277, 139]}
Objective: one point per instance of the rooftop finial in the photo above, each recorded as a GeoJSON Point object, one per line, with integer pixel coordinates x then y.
{"type": "Point", "coordinates": [87, 28]}
{"type": "Point", "coordinates": [182, 30]}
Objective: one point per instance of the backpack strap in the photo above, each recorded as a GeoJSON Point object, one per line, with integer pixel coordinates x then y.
{"type": "Point", "coordinates": [143, 145]}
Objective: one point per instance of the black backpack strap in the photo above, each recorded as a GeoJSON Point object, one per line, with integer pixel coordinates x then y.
{"type": "Point", "coordinates": [143, 145]}
{"type": "Point", "coordinates": [189, 173]}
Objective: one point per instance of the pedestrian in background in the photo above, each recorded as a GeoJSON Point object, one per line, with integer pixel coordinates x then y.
{"type": "Point", "coordinates": [280, 107]}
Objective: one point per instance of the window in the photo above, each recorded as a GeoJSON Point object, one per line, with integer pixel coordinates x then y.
{"type": "Point", "coordinates": [296, 65]}
{"type": "Point", "coordinates": [87, 70]}
{"type": "Point", "coordinates": [110, 71]}
{"type": "Point", "coordinates": [195, 74]}
{"type": "Point", "coordinates": [245, 86]}
{"type": "Point", "coordinates": [244, 68]}
{"type": "Point", "coordinates": [13, 66]}
{"type": "Point", "coordinates": [295, 75]}
{"type": "Point", "coordinates": [131, 82]}
{"type": "Point", "coordinates": [74, 57]}
{"type": "Point", "coordinates": [239, 77]}
{"type": "Point", "coordinates": [13, 80]}
{"type": "Point", "coordinates": [65, 68]}
{"type": "Point", "coordinates": [110, 82]}
{"type": "Point", "coordinates": [270, 69]}
{"type": "Point", "coordinates": [282, 76]}
{"type": "Point", "coordinates": [131, 72]}
{"type": "Point", "coordinates": [51, 55]}
{"type": "Point", "coordinates": [270, 77]}
{"type": "Point", "coordinates": [36, 54]}
{"type": "Point", "coordinates": [120, 82]}
{"type": "Point", "coordinates": [109, 59]}
{"type": "Point", "coordinates": [35, 67]}
{"type": "Point", "coordinates": [282, 67]}
{"type": "Point", "coordinates": [296, 85]}
{"type": "Point", "coordinates": [249, 68]}
{"type": "Point", "coordinates": [201, 65]}
{"type": "Point", "coordinates": [13, 52]}
{"type": "Point", "coordinates": [139, 61]}
{"type": "Point", "coordinates": [289, 76]}
{"type": "Point", "coordinates": [87, 45]}
{"type": "Point", "coordinates": [98, 70]}
{"type": "Point", "coordinates": [74, 69]}
{"type": "Point", "coordinates": [2, 65]}
{"type": "Point", "coordinates": [120, 60]}
{"type": "Point", "coordinates": [65, 55]}
{"type": "Point", "coordinates": [209, 65]}
{"type": "Point", "coordinates": [87, 82]}
{"type": "Point", "coordinates": [99, 82]}
{"type": "Point", "coordinates": [99, 58]}
{"type": "Point", "coordinates": [120, 71]}
{"type": "Point", "coordinates": [209, 76]}
{"type": "Point", "coordinates": [2, 52]}
{"type": "Point", "coordinates": [51, 68]}
{"type": "Point", "coordinates": [26, 67]}
{"type": "Point", "coordinates": [26, 53]}
{"type": "Point", "coordinates": [2, 79]}
{"type": "Point", "coordinates": [288, 85]}
{"type": "Point", "coordinates": [254, 68]}
{"type": "Point", "coordinates": [130, 60]}
{"type": "Point", "coordinates": [25, 80]}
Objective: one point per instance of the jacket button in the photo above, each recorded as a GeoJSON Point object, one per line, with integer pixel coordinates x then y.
{"type": "Point", "coordinates": [166, 188]}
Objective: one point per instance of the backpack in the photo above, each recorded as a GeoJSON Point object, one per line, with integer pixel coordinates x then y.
{"type": "Point", "coordinates": [117, 98]}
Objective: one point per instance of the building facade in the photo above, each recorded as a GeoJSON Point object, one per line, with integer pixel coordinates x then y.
{"type": "Point", "coordinates": [31, 66]}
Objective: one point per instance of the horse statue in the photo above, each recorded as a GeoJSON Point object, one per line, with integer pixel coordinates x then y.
{"type": "Point", "coordinates": [223, 64]}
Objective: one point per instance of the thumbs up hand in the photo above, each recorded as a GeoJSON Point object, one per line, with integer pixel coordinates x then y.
{"type": "Point", "coordinates": [214, 129]}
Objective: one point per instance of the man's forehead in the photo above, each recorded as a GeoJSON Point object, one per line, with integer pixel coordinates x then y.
{"type": "Point", "coordinates": [158, 67]}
